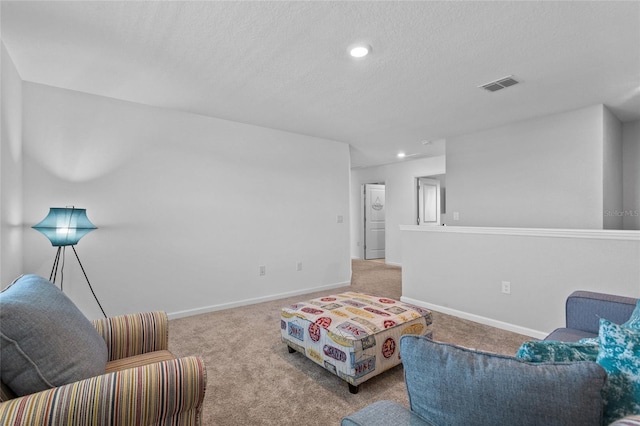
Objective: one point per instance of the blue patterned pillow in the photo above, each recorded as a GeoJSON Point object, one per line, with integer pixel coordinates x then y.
{"type": "Point", "coordinates": [620, 357]}
{"type": "Point", "coordinates": [589, 340]}
{"type": "Point", "coordinates": [634, 321]}
{"type": "Point", "coordinates": [555, 351]}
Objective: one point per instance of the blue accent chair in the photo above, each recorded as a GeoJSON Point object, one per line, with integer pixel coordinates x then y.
{"type": "Point", "coordinates": [450, 385]}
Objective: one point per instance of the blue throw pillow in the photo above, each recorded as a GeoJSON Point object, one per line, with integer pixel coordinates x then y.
{"type": "Point", "coordinates": [450, 385]}
{"type": "Point", "coordinates": [45, 341]}
{"type": "Point", "coordinates": [620, 357]}
{"type": "Point", "coordinates": [555, 351]}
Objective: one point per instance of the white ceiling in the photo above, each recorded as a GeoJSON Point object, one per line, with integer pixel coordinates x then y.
{"type": "Point", "coordinates": [285, 65]}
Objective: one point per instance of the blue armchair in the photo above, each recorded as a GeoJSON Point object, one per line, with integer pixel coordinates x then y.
{"type": "Point", "coordinates": [453, 385]}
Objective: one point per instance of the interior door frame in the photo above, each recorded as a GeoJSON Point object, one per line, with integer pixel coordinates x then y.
{"type": "Point", "coordinates": [428, 181]}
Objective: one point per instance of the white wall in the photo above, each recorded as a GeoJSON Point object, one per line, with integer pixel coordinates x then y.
{"type": "Point", "coordinates": [459, 270]}
{"type": "Point", "coordinates": [554, 172]}
{"type": "Point", "coordinates": [187, 206]}
{"type": "Point", "coordinates": [631, 175]}
{"type": "Point", "coordinates": [400, 194]}
{"type": "Point", "coordinates": [612, 171]}
{"type": "Point", "coordinates": [539, 173]}
{"type": "Point", "coordinates": [10, 171]}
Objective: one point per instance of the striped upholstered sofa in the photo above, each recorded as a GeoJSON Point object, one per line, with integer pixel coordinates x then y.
{"type": "Point", "coordinates": [144, 384]}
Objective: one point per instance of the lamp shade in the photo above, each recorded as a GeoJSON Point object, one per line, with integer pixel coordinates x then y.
{"type": "Point", "coordinates": [64, 226]}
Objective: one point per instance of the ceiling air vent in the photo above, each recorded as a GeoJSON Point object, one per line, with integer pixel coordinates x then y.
{"type": "Point", "coordinates": [499, 84]}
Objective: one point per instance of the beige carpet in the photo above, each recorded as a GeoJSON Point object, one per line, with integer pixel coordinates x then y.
{"type": "Point", "coordinates": [253, 380]}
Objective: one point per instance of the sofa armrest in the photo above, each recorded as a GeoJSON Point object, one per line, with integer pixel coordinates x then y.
{"type": "Point", "coordinates": [585, 308]}
{"type": "Point", "coordinates": [383, 413]}
{"type": "Point", "coordinates": [134, 334]}
{"type": "Point", "coordinates": [168, 392]}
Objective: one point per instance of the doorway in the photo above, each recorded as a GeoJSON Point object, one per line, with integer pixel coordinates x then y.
{"type": "Point", "coordinates": [374, 221]}
{"type": "Point", "coordinates": [430, 200]}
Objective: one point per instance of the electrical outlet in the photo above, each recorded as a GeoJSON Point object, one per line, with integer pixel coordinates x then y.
{"type": "Point", "coordinates": [263, 270]}
{"type": "Point", "coordinates": [456, 215]}
{"type": "Point", "coordinates": [299, 266]}
{"type": "Point", "coordinates": [506, 287]}
{"type": "Point", "coordinates": [339, 218]}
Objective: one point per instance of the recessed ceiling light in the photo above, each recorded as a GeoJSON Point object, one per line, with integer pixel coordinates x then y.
{"type": "Point", "coordinates": [402, 155]}
{"type": "Point", "coordinates": [359, 50]}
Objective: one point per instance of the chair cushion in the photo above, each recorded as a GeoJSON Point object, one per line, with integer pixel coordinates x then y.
{"type": "Point", "coordinates": [450, 385]}
{"type": "Point", "coordinates": [620, 357]}
{"type": "Point", "coordinates": [569, 335]}
{"type": "Point", "coordinates": [45, 341]}
{"type": "Point", "coordinates": [383, 413]}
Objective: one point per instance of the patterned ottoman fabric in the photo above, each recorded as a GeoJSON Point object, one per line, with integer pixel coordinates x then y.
{"type": "Point", "coordinates": [354, 335]}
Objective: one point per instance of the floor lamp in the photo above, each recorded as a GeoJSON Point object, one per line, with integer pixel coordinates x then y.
{"type": "Point", "coordinates": [64, 226]}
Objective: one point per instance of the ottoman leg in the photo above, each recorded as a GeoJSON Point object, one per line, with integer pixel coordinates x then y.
{"type": "Point", "coordinates": [353, 388]}
{"type": "Point", "coordinates": [290, 349]}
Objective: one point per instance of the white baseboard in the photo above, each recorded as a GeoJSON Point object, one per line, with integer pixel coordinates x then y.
{"type": "Point", "coordinates": [477, 318]}
{"type": "Point", "coordinates": [252, 301]}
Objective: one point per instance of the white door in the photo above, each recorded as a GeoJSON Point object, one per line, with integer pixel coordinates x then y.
{"type": "Point", "coordinates": [428, 201]}
{"type": "Point", "coordinates": [374, 214]}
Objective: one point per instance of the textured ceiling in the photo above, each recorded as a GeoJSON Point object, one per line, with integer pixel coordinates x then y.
{"type": "Point", "coordinates": [284, 64]}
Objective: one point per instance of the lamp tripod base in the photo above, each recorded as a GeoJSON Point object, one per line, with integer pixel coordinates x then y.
{"type": "Point", "coordinates": [56, 265]}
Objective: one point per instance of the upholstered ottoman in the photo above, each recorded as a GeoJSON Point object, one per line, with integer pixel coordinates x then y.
{"type": "Point", "coordinates": [354, 335]}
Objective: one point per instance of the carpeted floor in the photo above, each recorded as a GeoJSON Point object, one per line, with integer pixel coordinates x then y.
{"type": "Point", "coordinates": [253, 380]}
